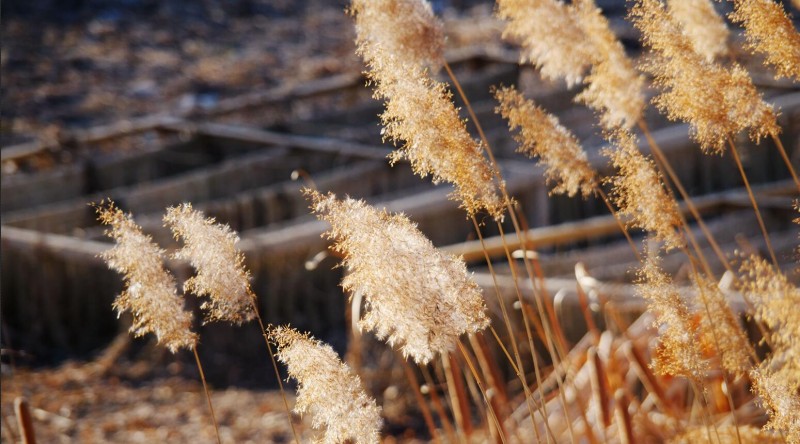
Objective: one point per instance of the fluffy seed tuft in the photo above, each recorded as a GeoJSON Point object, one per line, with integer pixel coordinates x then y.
{"type": "Point", "coordinates": [417, 298]}
{"type": "Point", "coordinates": [150, 294]}
{"type": "Point", "coordinates": [769, 31]}
{"type": "Point", "coordinates": [211, 249]}
{"type": "Point", "coordinates": [328, 389]}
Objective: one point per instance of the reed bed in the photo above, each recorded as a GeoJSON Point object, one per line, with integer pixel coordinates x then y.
{"type": "Point", "coordinates": [485, 369]}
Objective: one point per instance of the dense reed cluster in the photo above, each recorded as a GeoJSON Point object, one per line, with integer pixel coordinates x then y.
{"type": "Point", "coordinates": [696, 377]}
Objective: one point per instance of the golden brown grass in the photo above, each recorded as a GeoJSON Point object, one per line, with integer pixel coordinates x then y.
{"type": "Point", "coordinates": [691, 384]}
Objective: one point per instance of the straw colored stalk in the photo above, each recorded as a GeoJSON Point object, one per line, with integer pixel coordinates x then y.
{"type": "Point", "coordinates": [541, 135]}
{"type": "Point", "coordinates": [550, 38]}
{"type": "Point", "coordinates": [613, 86]}
{"type": "Point", "coordinates": [406, 28]}
{"type": "Point", "coordinates": [220, 273]}
{"type": "Point", "coordinates": [677, 353]}
{"type": "Point", "coordinates": [639, 192]}
{"type": "Point", "coordinates": [706, 30]}
{"type": "Point", "coordinates": [770, 31]}
{"type": "Point", "coordinates": [150, 292]}
{"type": "Point", "coordinates": [328, 390]}
{"type": "Point", "coordinates": [417, 298]}
{"type": "Point", "coordinates": [717, 102]}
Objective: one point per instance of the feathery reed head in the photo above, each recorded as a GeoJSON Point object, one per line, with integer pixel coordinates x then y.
{"type": "Point", "coordinates": [639, 192]}
{"type": "Point", "coordinates": [776, 303]}
{"type": "Point", "coordinates": [720, 329]}
{"type": "Point", "coordinates": [541, 134]}
{"type": "Point", "coordinates": [150, 293]}
{"type": "Point", "coordinates": [550, 38]}
{"type": "Point", "coordinates": [614, 88]}
{"type": "Point", "coordinates": [678, 353]}
{"type": "Point", "coordinates": [402, 28]}
{"type": "Point", "coordinates": [770, 31]}
{"type": "Point", "coordinates": [328, 389]}
{"type": "Point", "coordinates": [211, 249]}
{"type": "Point", "coordinates": [416, 297]}
{"type": "Point", "coordinates": [781, 402]}
{"type": "Point", "coordinates": [420, 115]}
{"type": "Point", "coordinates": [705, 29]}
{"type": "Point", "coordinates": [717, 102]}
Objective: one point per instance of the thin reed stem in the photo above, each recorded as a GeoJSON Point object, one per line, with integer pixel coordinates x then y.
{"type": "Point", "coordinates": [519, 368]}
{"type": "Point", "coordinates": [208, 394]}
{"type": "Point", "coordinates": [622, 226]}
{"type": "Point", "coordinates": [426, 411]}
{"type": "Point", "coordinates": [437, 403]}
{"type": "Point", "coordinates": [275, 367]}
{"type": "Point", "coordinates": [477, 378]}
{"type": "Point", "coordinates": [786, 159]}
{"type": "Point", "coordinates": [753, 201]}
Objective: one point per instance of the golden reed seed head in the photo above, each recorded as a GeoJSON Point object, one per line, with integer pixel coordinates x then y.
{"type": "Point", "coordinates": [720, 329]}
{"type": "Point", "coordinates": [678, 353]}
{"type": "Point", "coordinates": [717, 102]}
{"type": "Point", "coordinates": [776, 303]}
{"type": "Point", "coordinates": [770, 31]}
{"type": "Point", "coordinates": [328, 389]}
{"type": "Point", "coordinates": [404, 28]}
{"type": "Point", "coordinates": [613, 86]}
{"type": "Point", "coordinates": [781, 402]}
{"type": "Point", "coordinates": [705, 29]}
{"type": "Point", "coordinates": [417, 298]}
{"type": "Point", "coordinates": [211, 249]}
{"type": "Point", "coordinates": [150, 293]}
{"type": "Point", "coordinates": [420, 115]}
{"type": "Point", "coordinates": [550, 37]}
{"type": "Point", "coordinates": [727, 434]}
{"type": "Point", "coordinates": [639, 192]}
{"type": "Point", "coordinates": [540, 134]}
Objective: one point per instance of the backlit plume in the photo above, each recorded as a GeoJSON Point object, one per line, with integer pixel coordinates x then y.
{"type": "Point", "coordinates": [769, 31]}
{"type": "Point", "coordinates": [417, 298]}
{"type": "Point", "coordinates": [210, 248]}
{"type": "Point", "coordinates": [541, 135]}
{"type": "Point", "coordinates": [328, 390]}
{"type": "Point", "coordinates": [406, 28]}
{"type": "Point", "coordinates": [420, 115]}
{"type": "Point", "coordinates": [150, 294]}
{"type": "Point", "coordinates": [677, 353]}
{"type": "Point", "coordinates": [706, 30]}
{"type": "Point", "coordinates": [639, 192]}
{"type": "Point", "coordinates": [717, 102]}
{"type": "Point", "coordinates": [613, 86]}
{"type": "Point", "coordinates": [550, 38]}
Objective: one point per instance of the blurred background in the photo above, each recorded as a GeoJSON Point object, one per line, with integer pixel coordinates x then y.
{"type": "Point", "coordinates": [154, 103]}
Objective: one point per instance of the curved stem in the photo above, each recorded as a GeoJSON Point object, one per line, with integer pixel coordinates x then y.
{"type": "Point", "coordinates": [208, 394]}
{"type": "Point", "coordinates": [786, 159]}
{"type": "Point", "coordinates": [755, 204]}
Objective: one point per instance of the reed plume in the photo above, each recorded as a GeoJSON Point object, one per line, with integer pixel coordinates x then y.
{"type": "Point", "coordinates": [211, 249]}
{"type": "Point", "coordinates": [770, 31]}
{"type": "Point", "coordinates": [417, 298]}
{"type": "Point", "coordinates": [328, 389]}
{"type": "Point", "coordinates": [150, 293]}
{"type": "Point", "coordinates": [550, 37]}
{"type": "Point", "coordinates": [420, 115]}
{"type": "Point", "coordinates": [717, 102]}
{"type": "Point", "coordinates": [639, 192]}
{"type": "Point", "coordinates": [541, 135]}
{"type": "Point", "coordinates": [720, 329]}
{"type": "Point", "coordinates": [401, 27]}
{"type": "Point", "coordinates": [726, 434]}
{"type": "Point", "coordinates": [705, 29]}
{"type": "Point", "coordinates": [613, 86]}
{"type": "Point", "coordinates": [677, 353]}
{"type": "Point", "coordinates": [781, 402]}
